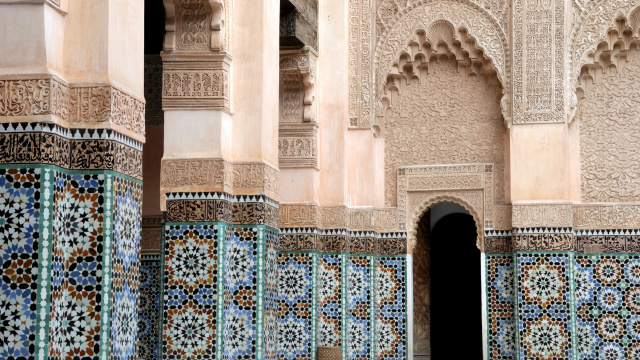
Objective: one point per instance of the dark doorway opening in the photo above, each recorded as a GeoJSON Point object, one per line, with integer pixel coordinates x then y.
{"type": "Point", "coordinates": [447, 289]}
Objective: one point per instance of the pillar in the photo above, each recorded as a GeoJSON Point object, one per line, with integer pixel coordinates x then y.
{"type": "Point", "coordinates": [220, 179]}
{"type": "Point", "coordinates": [72, 114]}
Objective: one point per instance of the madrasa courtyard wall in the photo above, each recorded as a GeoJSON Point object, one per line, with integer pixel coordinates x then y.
{"type": "Point", "coordinates": [284, 185]}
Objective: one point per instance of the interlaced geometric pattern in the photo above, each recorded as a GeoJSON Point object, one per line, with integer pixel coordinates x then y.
{"type": "Point", "coordinates": [271, 294]}
{"type": "Point", "coordinates": [329, 300]}
{"type": "Point", "coordinates": [391, 308]}
{"type": "Point", "coordinates": [19, 242]}
{"type": "Point", "coordinates": [77, 266]}
{"type": "Point", "coordinates": [500, 307]}
{"type": "Point", "coordinates": [148, 309]}
{"type": "Point", "coordinates": [359, 310]}
{"type": "Point", "coordinates": [295, 291]}
{"type": "Point", "coordinates": [544, 311]}
{"type": "Point", "coordinates": [125, 264]}
{"type": "Point", "coordinates": [241, 293]}
{"type": "Point", "coordinates": [607, 301]}
{"type": "Point", "coordinates": [190, 280]}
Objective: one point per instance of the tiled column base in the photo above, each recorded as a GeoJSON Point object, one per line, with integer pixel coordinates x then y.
{"type": "Point", "coordinates": [358, 293]}
{"type": "Point", "coordinates": [220, 266]}
{"type": "Point", "coordinates": [69, 244]}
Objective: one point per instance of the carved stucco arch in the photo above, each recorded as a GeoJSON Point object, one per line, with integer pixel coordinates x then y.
{"type": "Point", "coordinates": [463, 15]}
{"type": "Point", "coordinates": [593, 26]}
{"type": "Point", "coordinates": [436, 199]}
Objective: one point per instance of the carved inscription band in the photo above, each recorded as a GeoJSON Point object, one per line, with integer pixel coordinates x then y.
{"type": "Point", "coordinates": [76, 149]}
{"type": "Point", "coordinates": [352, 242]}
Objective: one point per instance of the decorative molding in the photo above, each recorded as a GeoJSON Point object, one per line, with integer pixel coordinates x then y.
{"type": "Point", "coordinates": [151, 234]}
{"type": "Point", "coordinates": [542, 215]}
{"type": "Point", "coordinates": [221, 207]}
{"type": "Point", "coordinates": [361, 219]}
{"type": "Point", "coordinates": [298, 146]}
{"type": "Point", "coordinates": [76, 149]}
{"type": "Point", "coordinates": [543, 239]}
{"type": "Point", "coordinates": [608, 241]}
{"type": "Point", "coordinates": [607, 114]}
{"type": "Point", "coordinates": [606, 216]}
{"type": "Point", "coordinates": [337, 240]}
{"type": "Point", "coordinates": [298, 215]}
{"type": "Point", "coordinates": [334, 217]}
{"type": "Point", "coordinates": [498, 242]}
{"type": "Point", "coordinates": [219, 175]}
{"type": "Point", "coordinates": [302, 63]}
{"type": "Point", "coordinates": [212, 174]}
{"type": "Point", "coordinates": [401, 28]}
{"type": "Point", "coordinates": [154, 115]}
{"type": "Point", "coordinates": [196, 84]}
{"type": "Point", "coordinates": [360, 63]}
{"type": "Point", "coordinates": [101, 106]}
{"type": "Point", "coordinates": [431, 121]}
{"type": "Point", "coordinates": [251, 178]}
{"type": "Point", "coordinates": [197, 26]}
{"type": "Point", "coordinates": [472, 183]}
{"type": "Point", "coordinates": [538, 61]}
{"type": "Point", "coordinates": [385, 220]}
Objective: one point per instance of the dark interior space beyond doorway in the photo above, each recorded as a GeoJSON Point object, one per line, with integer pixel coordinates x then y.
{"type": "Point", "coordinates": [456, 289]}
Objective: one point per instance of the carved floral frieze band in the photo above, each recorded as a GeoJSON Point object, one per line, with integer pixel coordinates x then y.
{"type": "Point", "coordinates": [342, 241]}
{"type": "Point", "coordinates": [380, 220]}
{"type": "Point", "coordinates": [196, 84]}
{"type": "Point", "coordinates": [76, 106]}
{"type": "Point", "coordinates": [219, 175]}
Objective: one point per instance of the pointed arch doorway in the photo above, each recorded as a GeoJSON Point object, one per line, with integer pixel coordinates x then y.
{"type": "Point", "coordinates": [447, 285]}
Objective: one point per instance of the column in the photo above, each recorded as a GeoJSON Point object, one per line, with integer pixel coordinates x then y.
{"type": "Point", "coordinates": [220, 179]}
{"type": "Point", "coordinates": [72, 114]}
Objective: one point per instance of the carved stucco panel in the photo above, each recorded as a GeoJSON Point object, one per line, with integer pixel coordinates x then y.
{"type": "Point", "coordinates": [592, 25]}
{"type": "Point", "coordinates": [461, 14]}
{"type": "Point", "coordinates": [447, 119]}
{"type": "Point", "coordinates": [610, 134]}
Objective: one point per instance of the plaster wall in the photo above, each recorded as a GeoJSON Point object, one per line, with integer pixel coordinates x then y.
{"type": "Point", "coordinates": [333, 104]}
{"type": "Point", "coordinates": [299, 186]}
{"type": "Point", "coordinates": [255, 81]}
{"type": "Point", "coordinates": [539, 162]}
{"type": "Point", "coordinates": [208, 133]}
{"type": "Point", "coordinates": [361, 168]}
{"type": "Point", "coordinates": [26, 53]}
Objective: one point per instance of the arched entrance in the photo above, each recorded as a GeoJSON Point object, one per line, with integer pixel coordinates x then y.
{"type": "Point", "coordinates": [447, 286]}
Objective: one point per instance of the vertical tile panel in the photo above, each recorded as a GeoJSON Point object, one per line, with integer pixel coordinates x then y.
{"type": "Point", "coordinates": [190, 291]}
{"type": "Point", "coordinates": [295, 302]}
{"type": "Point", "coordinates": [149, 307]}
{"type": "Point", "coordinates": [20, 208]}
{"type": "Point", "coordinates": [391, 308]}
{"type": "Point", "coordinates": [544, 310]}
{"type": "Point", "coordinates": [330, 297]}
{"type": "Point", "coordinates": [500, 307]}
{"type": "Point", "coordinates": [607, 306]}
{"type": "Point", "coordinates": [358, 308]}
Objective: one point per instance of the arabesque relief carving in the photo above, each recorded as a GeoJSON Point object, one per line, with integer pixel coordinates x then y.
{"type": "Point", "coordinates": [592, 27]}
{"type": "Point", "coordinates": [360, 64]}
{"type": "Point", "coordinates": [298, 130]}
{"type": "Point", "coordinates": [413, 38]}
{"type": "Point", "coordinates": [74, 106]}
{"type": "Point", "coordinates": [201, 85]}
{"type": "Point", "coordinates": [547, 215]}
{"type": "Point", "coordinates": [197, 25]}
{"type": "Point", "coordinates": [448, 117]}
{"type": "Point", "coordinates": [538, 61]}
{"type": "Point", "coordinates": [609, 127]}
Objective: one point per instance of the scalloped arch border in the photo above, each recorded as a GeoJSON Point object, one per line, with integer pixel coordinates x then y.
{"type": "Point", "coordinates": [482, 38]}
{"type": "Point", "coordinates": [580, 33]}
{"type": "Point", "coordinates": [422, 209]}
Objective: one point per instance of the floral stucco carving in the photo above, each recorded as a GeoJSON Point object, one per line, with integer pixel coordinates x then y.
{"type": "Point", "coordinates": [592, 26]}
{"type": "Point", "coordinates": [610, 130]}
{"type": "Point", "coordinates": [477, 28]}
